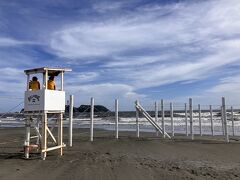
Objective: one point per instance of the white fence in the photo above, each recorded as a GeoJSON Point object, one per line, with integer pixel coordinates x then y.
{"type": "Point", "coordinates": [186, 119]}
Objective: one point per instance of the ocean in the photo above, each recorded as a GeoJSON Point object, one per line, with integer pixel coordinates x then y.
{"type": "Point", "coordinates": [127, 122]}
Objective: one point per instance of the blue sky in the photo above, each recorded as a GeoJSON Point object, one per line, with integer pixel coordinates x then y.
{"type": "Point", "coordinates": [146, 50]}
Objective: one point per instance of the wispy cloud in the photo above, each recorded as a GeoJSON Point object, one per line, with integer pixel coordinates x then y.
{"type": "Point", "coordinates": [227, 87]}
{"type": "Point", "coordinates": [10, 72]}
{"type": "Point", "coordinates": [230, 84]}
{"type": "Point", "coordinates": [12, 81]}
{"type": "Point", "coordinates": [201, 36]}
{"type": "Point", "coordinates": [121, 48]}
{"type": "Point", "coordinates": [82, 77]}
{"type": "Point", "coordinates": [127, 61]}
{"type": "Point", "coordinates": [106, 6]}
{"type": "Point", "coordinates": [105, 93]}
{"type": "Point", "coordinates": [5, 42]}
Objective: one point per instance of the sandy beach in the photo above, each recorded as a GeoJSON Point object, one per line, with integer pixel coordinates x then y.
{"type": "Point", "coordinates": [148, 157]}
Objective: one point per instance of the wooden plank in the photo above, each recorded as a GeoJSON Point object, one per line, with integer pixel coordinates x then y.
{"type": "Point", "coordinates": [191, 118]}
{"type": "Point", "coordinates": [137, 120]}
{"type": "Point", "coordinates": [232, 118]}
{"type": "Point", "coordinates": [44, 136]}
{"type": "Point", "coordinates": [186, 119]}
{"type": "Point", "coordinates": [54, 148]}
{"type": "Point", "coordinates": [225, 119]}
{"type": "Point", "coordinates": [116, 118]}
{"type": "Point", "coordinates": [163, 122]}
{"type": "Point", "coordinates": [149, 118]}
{"type": "Point", "coordinates": [60, 133]}
{"type": "Point", "coordinates": [91, 119]}
{"type": "Point", "coordinates": [200, 119]}
{"type": "Point", "coordinates": [211, 119]}
{"type": "Point", "coordinates": [70, 120]}
{"type": "Point", "coordinates": [156, 116]}
{"type": "Point", "coordinates": [172, 120]}
{"type": "Point", "coordinates": [51, 135]}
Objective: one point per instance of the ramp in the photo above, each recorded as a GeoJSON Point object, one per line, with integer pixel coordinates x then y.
{"type": "Point", "coordinates": [149, 118]}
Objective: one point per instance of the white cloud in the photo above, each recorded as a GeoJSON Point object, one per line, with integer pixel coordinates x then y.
{"type": "Point", "coordinates": [185, 25]}
{"type": "Point", "coordinates": [8, 71]}
{"type": "Point", "coordinates": [199, 69]}
{"type": "Point", "coordinates": [150, 46]}
{"type": "Point", "coordinates": [15, 58]}
{"type": "Point", "coordinates": [228, 87]}
{"type": "Point", "coordinates": [81, 77]}
{"type": "Point", "coordinates": [89, 76]}
{"type": "Point", "coordinates": [127, 61]}
{"type": "Point", "coordinates": [229, 84]}
{"type": "Point", "coordinates": [105, 94]}
{"type": "Point", "coordinates": [12, 80]}
{"type": "Point", "coordinates": [15, 88]}
{"type": "Point", "coordinates": [201, 36]}
{"type": "Point", "coordinates": [105, 6]}
{"type": "Point", "coordinates": [8, 42]}
{"type": "Point", "coordinates": [5, 42]}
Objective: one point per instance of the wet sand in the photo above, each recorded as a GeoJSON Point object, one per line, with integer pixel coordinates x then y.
{"type": "Point", "coordinates": [128, 158]}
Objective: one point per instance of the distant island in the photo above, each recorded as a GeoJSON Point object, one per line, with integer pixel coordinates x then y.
{"type": "Point", "coordinates": [87, 108]}
{"type": "Point", "coordinates": [84, 108]}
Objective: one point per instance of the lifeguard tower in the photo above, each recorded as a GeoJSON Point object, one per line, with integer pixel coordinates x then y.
{"type": "Point", "coordinates": [38, 106]}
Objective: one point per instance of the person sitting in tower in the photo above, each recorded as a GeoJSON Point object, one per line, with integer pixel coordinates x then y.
{"type": "Point", "coordinates": [34, 84]}
{"type": "Point", "coordinates": [51, 83]}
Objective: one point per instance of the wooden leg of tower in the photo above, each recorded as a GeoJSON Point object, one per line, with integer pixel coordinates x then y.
{"type": "Point", "coordinates": [27, 138]}
{"type": "Point", "coordinates": [60, 134]}
{"type": "Point", "coordinates": [37, 127]}
{"type": "Point", "coordinates": [44, 136]}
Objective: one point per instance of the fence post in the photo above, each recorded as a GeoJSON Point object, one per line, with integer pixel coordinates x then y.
{"type": "Point", "coordinates": [27, 138]}
{"type": "Point", "coordinates": [156, 115]}
{"type": "Point", "coordinates": [225, 119]}
{"type": "Point", "coordinates": [116, 117]}
{"type": "Point", "coordinates": [186, 119]}
{"type": "Point", "coordinates": [171, 115]}
{"type": "Point", "coordinates": [191, 118]}
{"type": "Point", "coordinates": [163, 123]}
{"type": "Point", "coordinates": [222, 120]}
{"type": "Point", "coordinates": [211, 119]}
{"type": "Point", "coordinates": [91, 118]}
{"type": "Point", "coordinates": [137, 122]}
{"type": "Point", "coordinates": [200, 119]}
{"type": "Point", "coordinates": [232, 118]}
{"type": "Point", "coordinates": [38, 128]}
{"type": "Point", "coordinates": [70, 119]}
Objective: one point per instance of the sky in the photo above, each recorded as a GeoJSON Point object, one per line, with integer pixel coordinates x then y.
{"type": "Point", "coordinates": [126, 49]}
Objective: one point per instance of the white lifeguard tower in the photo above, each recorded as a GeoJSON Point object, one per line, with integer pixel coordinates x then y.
{"type": "Point", "coordinates": [38, 105]}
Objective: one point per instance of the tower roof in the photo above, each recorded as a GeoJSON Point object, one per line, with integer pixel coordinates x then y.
{"type": "Point", "coordinates": [51, 70]}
